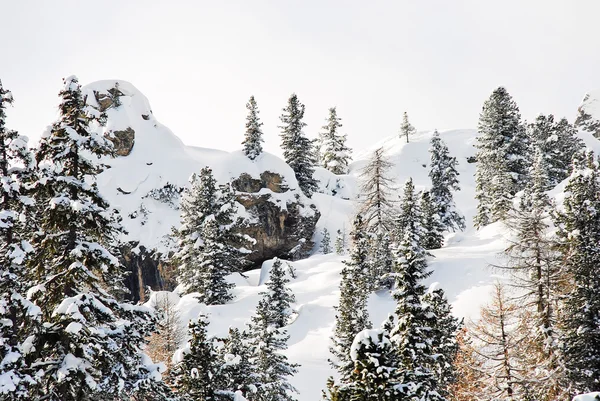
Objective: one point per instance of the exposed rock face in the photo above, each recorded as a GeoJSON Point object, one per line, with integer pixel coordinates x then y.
{"type": "Point", "coordinates": [146, 270]}
{"type": "Point", "coordinates": [123, 141]}
{"type": "Point", "coordinates": [280, 230]}
{"type": "Point", "coordinates": [588, 114]}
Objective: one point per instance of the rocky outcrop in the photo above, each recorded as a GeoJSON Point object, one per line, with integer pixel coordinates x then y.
{"type": "Point", "coordinates": [146, 269]}
{"type": "Point", "coordinates": [281, 226]}
{"type": "Point", "coordinates": [123, 141]}
{"type": "Point", "coordinates": [588, 114]}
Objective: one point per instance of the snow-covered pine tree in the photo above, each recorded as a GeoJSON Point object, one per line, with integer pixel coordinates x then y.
{"type": "Point", "coordinates": [298, 150]}
{"type": "Point", "coordinates": [352, 315]}
{"type": "Point", "coordinates": [412, 334]}
{"type": "Point", "coordinates": [340, 242]}
{"type": "Point", "coordinates": [270, 365]}
{"type": "Point", "coordinates": [207, 250]}
{"type": "Point", "coordinates": [503, 157]}
{"type": "Point", "coordinates": [237, 371]}
{"type": "Point", "coordinates": [253, 138]}
{"type": "Point", "coordinates": [444, 181]}
{"type": "Point", "coordinates": [381, 261]}
{"type": "Point", "coordinates": [558, 143]}
{"type": "Point", "coordinates": [579, 236]}
{"type": "Point", "coordinates": [194, 376]}
{"type": "Point", "coordinates": [406, 129]}
{"type": "Point", "coordinates": [433, 227]}
{"type": "Point", "coordinates": [410, 216]}
{"type": "Point", "coordinates": [279, 297]}
{"type": "Point", "coordinates": [91, 344]}
{"type": "Point", "coordinates": [335, 155]}
{"type": "Point", "coordinates": [444, 329]}
{"type": "Point", "coordinates": [376, 204]}
{"type": "Point", "coordinates": [325, 241]}
{"type": "Point", "coordinates": [500, 338]}
{"type": "Point", "coordinates": [19, 318]}
{"type": "Point", "coordinates": [538, 275]}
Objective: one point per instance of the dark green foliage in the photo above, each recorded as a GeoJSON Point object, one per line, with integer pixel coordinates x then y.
{"type": "Point", "coordinates": [279, 296]}
{"type": "Point", "coordinates": [253, 139]}
{"type": "Point", "coordinates": [297, 149]}
{"type": "Point", "coordinates": [237, 372]}
{"type": "Point", "coordinates": [433, 227]}
{"type": "Point", "coordinates": [335, 155]}
{"type": "Point", "coordinates": [325, 242]}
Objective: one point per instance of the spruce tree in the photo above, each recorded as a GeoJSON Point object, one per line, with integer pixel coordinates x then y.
{"type": "Point", "coordinates": [376, 200]}
{"type": "Point", "coordinates": [340, 242]}
{"type": "Point", "coordinates": [444, 181]}
{"type": "Point", "coordinates": [279, 297]}
{"type": "Point", "coordinates": [91, 344]}
{"type": "Point", "coordinates": [18, 316]}
{"type": "Point", "coordinates": [253, 138]}
{"type": "Point", "coordinates": [433, 227]}
{"type": "Point", "coordinates": [271, 366]}
{"type": "Point", "coordinates": [579, 236]}
{"type": "Point", "coordinates": [410, 216]}
{"type": "Point", "coordinates": [194, 376]}
{"type": "Point", "coordinates": [207, 250]}
{"type": "Point", "coordinates": [502, 156]}
{"type": "Point", "coordinates": [237, 373]}
{"type": "Point", "coordinates": [297, 149]}
{"type": "Point", "coordinates": [352, 315]}
{"type": "Point", "coordinates": [335, 155]}
{"type": "Point", "coordinates": [406, 129]}
{"type": "Point", "coordinates": [381, 261]}
{"type": "Point", "coordinates": [325, 241]}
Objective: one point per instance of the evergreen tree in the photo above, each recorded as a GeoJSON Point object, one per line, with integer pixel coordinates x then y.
{"type": "Point", "coordinates": [381, 261]}
{"type": "Point", "coordinates": [406, 129]}
{"type": "Point", "coordinates": [444, 329]}
{"type": "Point", "coordinates": [502, 157]}
{"type": "Point", "coordinates": [558, 143]}
{"type": "Point", "coordinates": [410, 216]}
{"type": "Point", "coordinates": [444, 180]}
{"type": "Point", "coordinates": [352, 316]}
{"type": "Point", "coordinates": [297, 149]}
{"type": "Point", "coordinates": [340, 242]}
{"type": "Point", "coordinates": [194, 376]}
{"type": "Point", "coordinates": [253, 139]}
{"type": "Point", "coordinates": [19, 318]}
{"type": "Point", "coordinates": [237, 373]}
{"type": "Point", "coordinates": [91, 344]}
{"type": "Point", "coordinates": [207, 250]}
{"type": "Point", "coordinates": [325, 241]}
{"type": "Point", "coordinates": [279, 297]}
{"type": "Point", "coordinates": [432, 225]}
{"type": "Point", "coordinates": [271, 366]}
{"type": "Point", "coordinates": [579, 236]}
{"type": "Point", "coordinates": [376, 205]}
{"type": "Point", "coordinates": [412, 334]}
{"type": "Point", "coordinates": [499, 331]}
{"type": "Point", "coordinates": [335, 155]}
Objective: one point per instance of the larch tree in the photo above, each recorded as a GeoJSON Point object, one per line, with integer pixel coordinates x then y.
{"type": "Point", "coordinates": [503, 157]}
{"type": "Point", "coordinates": [444, 181]}
{"type": "Point", "coordinates": [19, 317]}
{"type": "Point", "coordinates": [406, 128]}
{"type": "Point", "coordinates": [298, 150]}
{"type": "Point", "coordinates": [170, 334]}
{"type": "Point", "coordinates": [579, 239]}
{"type": "Point", "coordinates": [91, 344]}
{"type": "Point", "coordinates": [254, 135]}
{"type": "Point", "coordinates": [335, 155]}
{"type": "Point", "coordinates": [469, 382]}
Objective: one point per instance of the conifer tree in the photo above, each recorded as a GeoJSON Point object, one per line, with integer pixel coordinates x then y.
{"type": "Point", "coordinates": [325, 241]}
{"type": "Point", "coordinates": [410, 216]}
{"type": "Point", "coordinates": [207, 250]}
{"type": "Point", "coordinates": [19, 318]}
{"type": "Point", "coordinates": [579, 236]}
{"type": "Point", "coordinates": [502, 156]}
{"type": "Point", "coordinates": [352, 315]}
{"type": "Point", "coordinates": [170, 334]}
{"type": "Point", "coordinates": [297, 149]}
{"type": "Point", "coordinates": [433, 227]}
{"type": "Point", "coordinates": [499, 331]}
{"type": "Point", "coordinates": [237, 373]}
{"type": "Point", "coordinates": [469, 370]}
{"type": "Point", "coordinates": [412, 334]}
{"type": "Point", "coordinates": [444, 180]}
{"type": "Point", "coordinates": [376, 204]}
{"type": "Point", "coordinates": [406, 129]}
{"type": "Point", "coordinates": [340, 242]}
{"type": "Point", "coordinates": [194, 376]}
{"type": "Point", "coordinates": [271, 366]}
{"type": "Point", "coordinates": [335, 155]}
{"type": "Point", "coordinates": [253, 138]}
{"type": "Point", "coordinates": [279, 297]}
{"type": "Point", "coordinates": [91, 344]}
{"type": "Point", "coordinates": [381, 261]}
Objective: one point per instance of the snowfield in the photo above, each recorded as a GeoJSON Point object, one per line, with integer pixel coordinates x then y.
{"type": "Point", "coordinates": [461, 267]}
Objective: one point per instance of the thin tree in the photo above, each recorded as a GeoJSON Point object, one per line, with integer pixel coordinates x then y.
{"type": "Point", "coordinates": [254, 135]}
{"type": "Point", "coordinates": [170, 333]}
{"type": "Point", "coordinates": [325, 241]}
{"type": "Point", "coordinates": [406, 129]}
{"type": "Point", "coordinates": [335, 155]}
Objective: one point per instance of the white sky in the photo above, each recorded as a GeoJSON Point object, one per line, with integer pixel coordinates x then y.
{"type": "Point", "coordinates": [199, 61]}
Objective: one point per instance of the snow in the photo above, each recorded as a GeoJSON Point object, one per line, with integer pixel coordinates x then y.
{"type": "Point", "coordinates": [588, 397]}
{"type": "Point", "coordinates": [461, 268]}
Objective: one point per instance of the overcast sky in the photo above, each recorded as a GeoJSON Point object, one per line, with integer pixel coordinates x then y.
{"type": "Point", "coordinates": [199, 61]}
